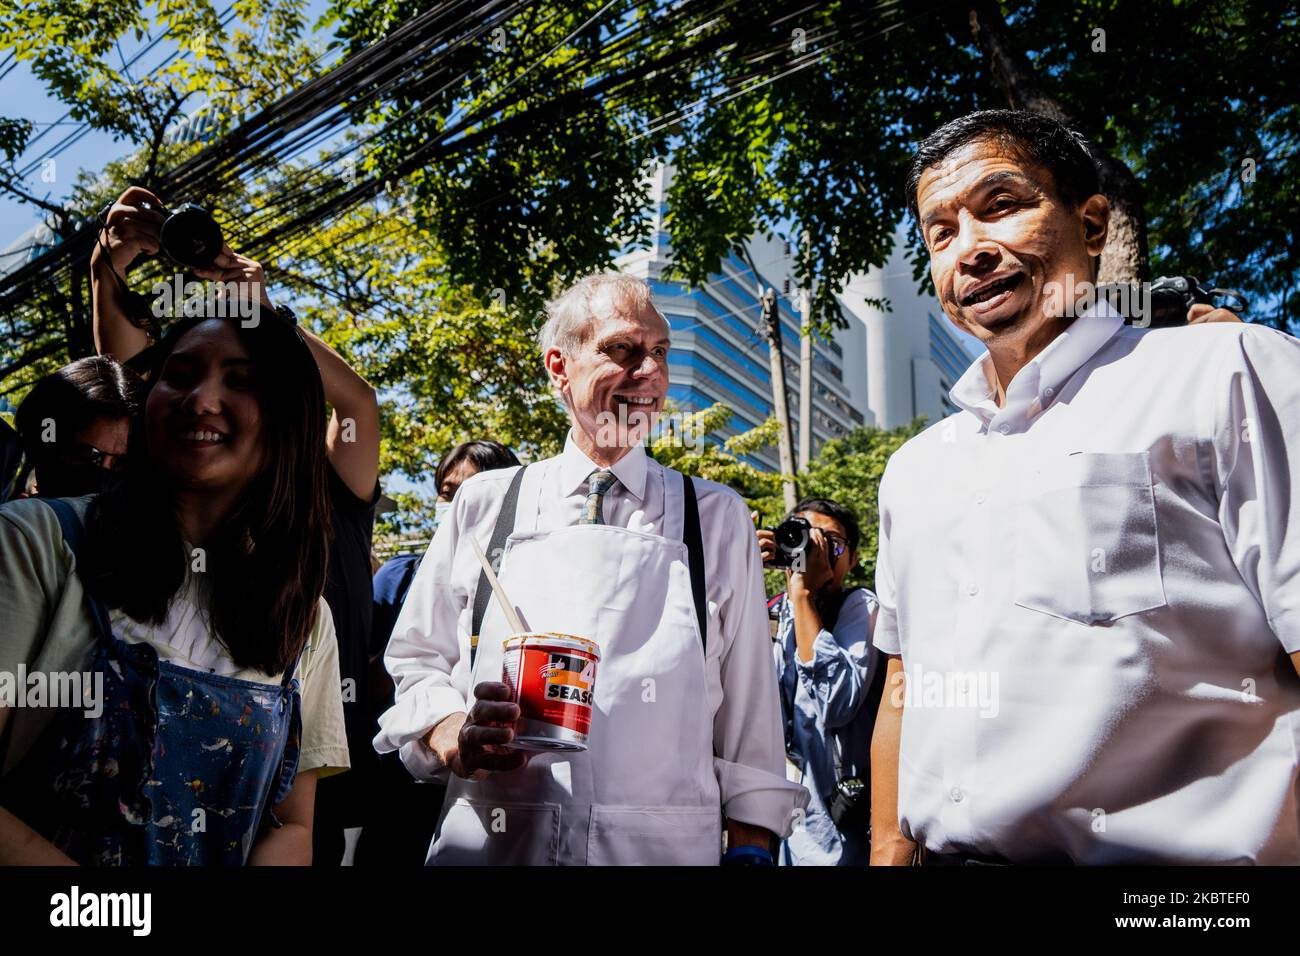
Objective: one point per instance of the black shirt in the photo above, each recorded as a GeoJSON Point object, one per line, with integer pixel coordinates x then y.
{"type": "Point", "coordinates": [350, 594]}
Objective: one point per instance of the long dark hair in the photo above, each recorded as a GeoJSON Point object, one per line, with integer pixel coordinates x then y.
{"type": "Point", "coordinates": [266, 565]}
{"type": "Point", "coordinates": [483, 454]}
{"type": "Point", "coordinates": [73, 398]}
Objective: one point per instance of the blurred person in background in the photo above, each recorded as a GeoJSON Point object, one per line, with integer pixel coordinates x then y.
{"type": "Point", "coordinates": [454, 468]}
{"type": "Point", "coordinates": [73, 427]}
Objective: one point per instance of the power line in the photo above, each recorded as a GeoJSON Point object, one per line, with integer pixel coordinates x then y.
{"type": "Point", "coordinates": [223, 18]}
{"type": "Point", "coordinates": [402, 65]}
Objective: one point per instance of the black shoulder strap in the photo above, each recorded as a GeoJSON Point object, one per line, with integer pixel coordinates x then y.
{"type": "Point", "coordinates": [867, 710]}
{"type": "Point", "coordinates": [830, 610]}
{"type": "Point", "coordinates": [695, 555]}
{"type": "Point", "coordinates": [505, 524]}
{"type": "Point", "coordinates": [74, 532]}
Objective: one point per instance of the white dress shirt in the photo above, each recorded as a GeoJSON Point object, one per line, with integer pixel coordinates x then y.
{"type": "Point", "coordinates": [1093, 589]}
{"type": "Point", "coordinates": [428, 654]}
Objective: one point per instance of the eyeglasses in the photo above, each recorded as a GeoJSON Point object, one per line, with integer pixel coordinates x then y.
{"type": "Point", "coordinates": [838, 544]}
{"type": "Point", "coordinates": [79, 453]}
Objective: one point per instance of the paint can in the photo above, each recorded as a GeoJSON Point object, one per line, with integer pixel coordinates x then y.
{"type": "Point", "coordinates": [552, 677]}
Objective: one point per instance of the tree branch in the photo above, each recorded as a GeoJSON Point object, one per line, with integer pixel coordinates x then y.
{"type": "Point", "coordinates": [43, 204]}
{"type": "Point", "coordinates": [1126, 257]}
{"type": "Point", "coordinates": [160, 131]}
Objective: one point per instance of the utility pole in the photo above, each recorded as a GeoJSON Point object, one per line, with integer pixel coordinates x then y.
{"type": "Point", "coordinates": [772, 329]}
{"type": "Point", "coordinates": [805, 361]}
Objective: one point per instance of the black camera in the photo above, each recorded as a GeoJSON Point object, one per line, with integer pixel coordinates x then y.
{"type": "Point", "coordinates": [189, 236]}
{"type": "Point", "coordinates": [850, 803]}
{"type": "Point", "coordinates": [792, 537]}
{"type": "Point", "coordinates": [1172, 296]}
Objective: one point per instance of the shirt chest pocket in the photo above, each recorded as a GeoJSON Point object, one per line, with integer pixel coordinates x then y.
{"type": "Point", "coordinates": [1086, 540]}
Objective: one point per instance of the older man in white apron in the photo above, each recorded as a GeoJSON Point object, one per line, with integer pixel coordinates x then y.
{"type": "Point", "coordinates": [660, 571]}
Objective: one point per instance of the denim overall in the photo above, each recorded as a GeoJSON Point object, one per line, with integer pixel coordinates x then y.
{"type": "Point", "coordinates": [179, 768]}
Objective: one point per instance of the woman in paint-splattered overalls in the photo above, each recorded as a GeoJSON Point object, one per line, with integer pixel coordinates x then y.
{"type": "Point", "coordinates": [189, 596]}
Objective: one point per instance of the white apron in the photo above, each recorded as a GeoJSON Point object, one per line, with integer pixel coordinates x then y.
{"type": "Point", "coordinates": [645, 791]}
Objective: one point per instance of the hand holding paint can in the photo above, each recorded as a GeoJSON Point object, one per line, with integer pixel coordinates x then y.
{"type": "Point", "coordinates": [552, 677]}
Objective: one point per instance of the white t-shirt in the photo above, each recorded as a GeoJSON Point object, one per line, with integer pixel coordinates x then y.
{"type": "Point", "coordinates": [45, 625]}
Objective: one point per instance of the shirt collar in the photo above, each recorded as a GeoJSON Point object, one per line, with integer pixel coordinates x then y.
{"type": "Point", "coordinates": [1039, 382]}
{"type": "Point", "coordinates": [576, 467]}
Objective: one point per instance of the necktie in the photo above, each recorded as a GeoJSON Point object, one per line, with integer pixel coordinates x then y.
{"type": "Point", "coordinates": [598, 482]}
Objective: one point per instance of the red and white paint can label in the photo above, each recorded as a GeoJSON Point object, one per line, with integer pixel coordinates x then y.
{"type": "Point", "coordinates": [552, 677]}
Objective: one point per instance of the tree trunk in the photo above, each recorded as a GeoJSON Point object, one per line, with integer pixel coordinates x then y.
{"type": "Point", "coordinates": [1125, 256]}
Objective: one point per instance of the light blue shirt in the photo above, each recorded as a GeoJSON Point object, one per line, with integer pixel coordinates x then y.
{"type": "Point", "coordinates": [821, 700]}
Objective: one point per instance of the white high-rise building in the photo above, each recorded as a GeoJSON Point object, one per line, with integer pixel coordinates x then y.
{"type": "Point", "coordinates": [914, 355]}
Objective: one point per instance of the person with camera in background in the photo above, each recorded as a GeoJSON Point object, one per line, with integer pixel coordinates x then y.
{"type": "Point", "coordinates": [830, 679]}
{"type": "Point", "coordinates": [138, 225]}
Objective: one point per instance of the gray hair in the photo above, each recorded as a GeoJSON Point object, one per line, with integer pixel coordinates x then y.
{"type": "Point", "coordinates": [570, 312]}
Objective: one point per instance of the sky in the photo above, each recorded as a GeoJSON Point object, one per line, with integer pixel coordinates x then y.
{"type": "Point", "coordinates": [90, 152]}
{"type": "Point", "coordinates": [23, 95]}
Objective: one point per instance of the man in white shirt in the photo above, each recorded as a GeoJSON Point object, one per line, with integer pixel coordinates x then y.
{"type": "Point", "coordinates": [1087, 581]}
{"type": "Point", "coordinates": [605, 544]}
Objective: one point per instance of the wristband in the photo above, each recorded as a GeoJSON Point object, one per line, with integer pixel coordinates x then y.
{"type": "Point", "coordinates": [747, 856]}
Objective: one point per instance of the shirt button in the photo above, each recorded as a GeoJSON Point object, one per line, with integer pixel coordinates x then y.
{"type": "Point", "coordinates": [972, 589]}
{"type": "Point", "coordinates": [1049, 391]}
{"type": "Point", "coordinates": [980, 499]}
{"type": "Point", "coordinates": [1004, 429]}
{"type": "Point", "coordinates": [957, 795]}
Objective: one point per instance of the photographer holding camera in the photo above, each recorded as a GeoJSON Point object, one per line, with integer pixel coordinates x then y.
{"type": "Point", "coordinates": [830, 678]}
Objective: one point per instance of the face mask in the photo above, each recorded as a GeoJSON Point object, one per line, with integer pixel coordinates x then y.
{"type": "Point", "coordinates": [440, 510]}
{"type": "Point", "coordinates": [73, 481]}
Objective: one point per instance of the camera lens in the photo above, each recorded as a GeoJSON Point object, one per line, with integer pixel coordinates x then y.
{"type": "Point", "coordinates": [191, 237]}
{"type": "Point", "coordinates": [792, 535]}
